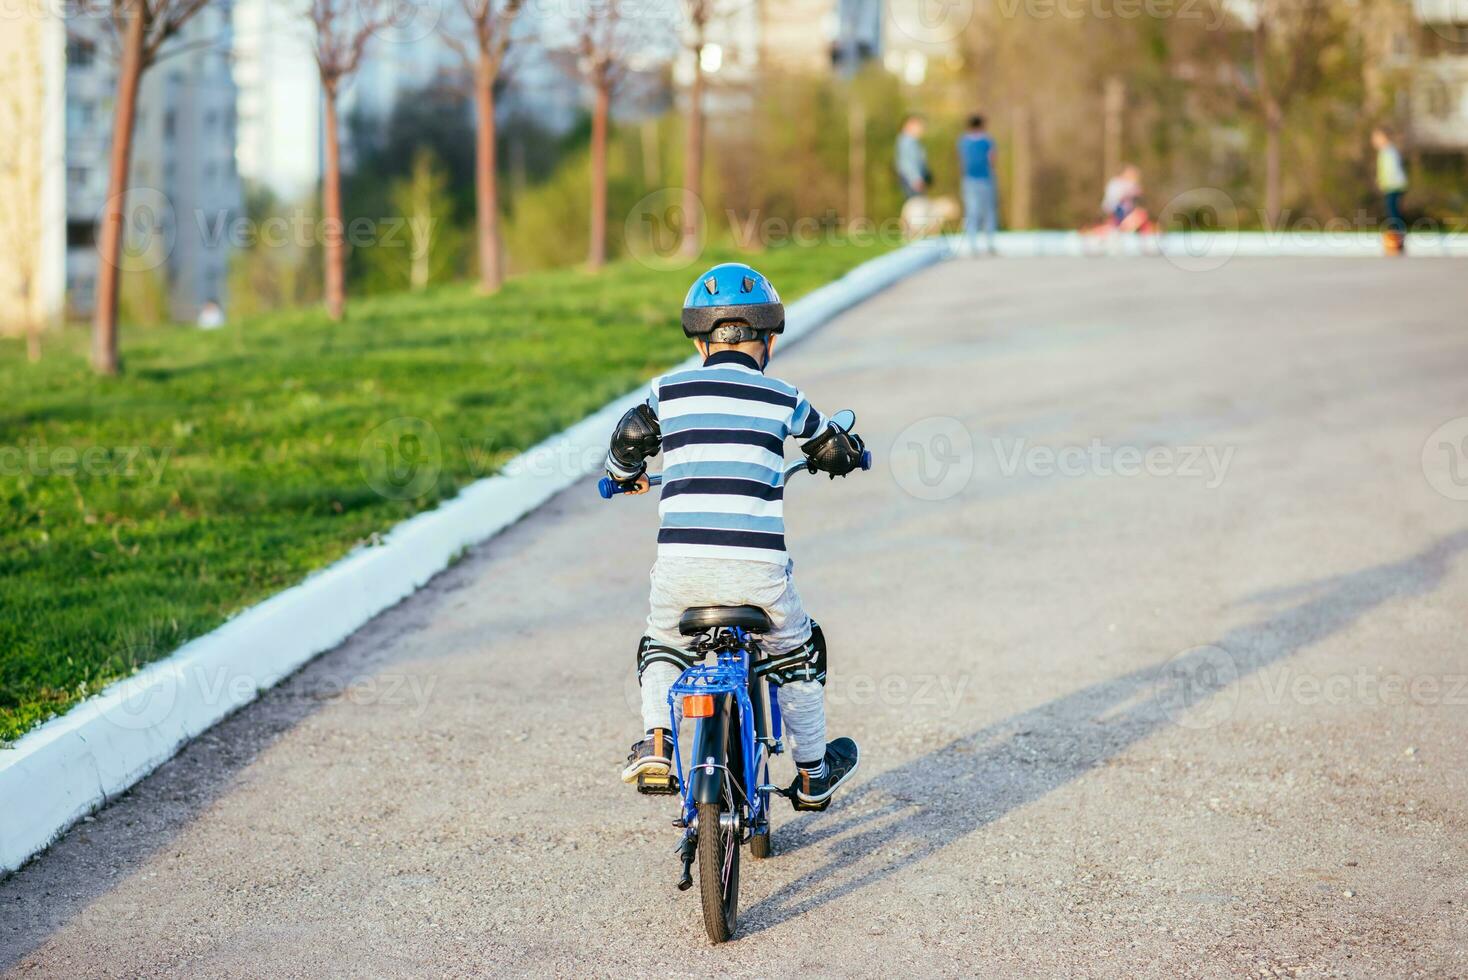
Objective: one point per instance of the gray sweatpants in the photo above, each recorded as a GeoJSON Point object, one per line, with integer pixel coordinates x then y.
{"type": "Point", "coordinates": [679, 583]}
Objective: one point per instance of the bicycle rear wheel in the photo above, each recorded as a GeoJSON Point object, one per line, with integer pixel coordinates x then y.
{"type": "Point", "coordinates": [718, 871]}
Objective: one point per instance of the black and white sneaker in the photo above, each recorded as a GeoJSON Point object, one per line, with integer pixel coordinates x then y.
{"type": "Point", "coordinates": [650, 757]}
{"type": "Point", "coordinates": [813, 786]}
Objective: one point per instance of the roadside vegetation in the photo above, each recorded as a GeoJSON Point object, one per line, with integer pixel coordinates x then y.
{"type": "Point", "coordinates": [141, 511]}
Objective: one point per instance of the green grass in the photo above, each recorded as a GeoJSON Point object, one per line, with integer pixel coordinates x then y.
{"type": "Point", "coordinates": [139, 512]}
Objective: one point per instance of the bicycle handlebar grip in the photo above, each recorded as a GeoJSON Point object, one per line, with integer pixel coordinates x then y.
{"type": "Point", "coordinates": [607, 487]}
{"type": "Point", "coordinates": [866, 459]}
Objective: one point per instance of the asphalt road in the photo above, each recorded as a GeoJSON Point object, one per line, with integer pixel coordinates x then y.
{"type": "Point", "coordinates": [1149, 622]}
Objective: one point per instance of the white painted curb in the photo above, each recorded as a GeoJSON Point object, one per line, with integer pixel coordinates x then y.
{"type": "Point", "coordinates": [1202, 251]}
{"type": "Point", "coordinates": [72, 764]}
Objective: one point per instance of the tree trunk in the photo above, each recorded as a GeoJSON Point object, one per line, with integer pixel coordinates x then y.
{"type": "Point", "coordinates": [856, 161]}
{"type": "Point", "coordinates": [1021, 201]}
{"type": "Point", "coordinates": [596, 255]}
{"type": "Point", "coordinates": [486, 183]}
{"type": "Point", "coordinates": [693, 162]}
{"type": "Point", "coordinates": [27, 293]}
{"type": "Point", "coordinates": [1273, 193]}
{"type": "Point", "coordinates": [332, 232]}
{"type": "Point", "coordinates": [109, 238]}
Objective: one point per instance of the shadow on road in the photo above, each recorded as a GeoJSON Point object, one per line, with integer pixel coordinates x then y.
{"type": "Point", "coordinates": [933, 801]}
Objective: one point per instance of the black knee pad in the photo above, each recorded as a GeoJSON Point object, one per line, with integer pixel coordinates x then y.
{"type": "Point", "coordinates": [806, 662]}
{"type": "Point", "coordinates": [649, 651]}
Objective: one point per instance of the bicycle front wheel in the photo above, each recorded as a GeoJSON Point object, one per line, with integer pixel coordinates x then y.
{"type": "Point", "coordinates": [718, 871]}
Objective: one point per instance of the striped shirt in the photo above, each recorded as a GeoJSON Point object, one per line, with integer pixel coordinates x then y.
{"type": "Point", "coordinates": [724, 427]}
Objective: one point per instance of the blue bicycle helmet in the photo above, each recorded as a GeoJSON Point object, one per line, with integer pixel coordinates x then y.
{"type": "Point", "coordinates": [732, 303]}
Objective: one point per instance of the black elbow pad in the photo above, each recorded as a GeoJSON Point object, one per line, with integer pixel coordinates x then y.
{"type": "Point", "coordinates": [637, 437]}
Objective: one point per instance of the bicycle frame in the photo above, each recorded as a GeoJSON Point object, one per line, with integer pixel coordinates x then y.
{"type": "Point", "coordinates": [733, 685]}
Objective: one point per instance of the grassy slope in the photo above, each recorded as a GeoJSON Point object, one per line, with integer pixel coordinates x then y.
{"type": "Point", "coordinates": [263, 426]}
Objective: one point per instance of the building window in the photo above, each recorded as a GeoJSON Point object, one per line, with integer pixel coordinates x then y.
{"type": "Point", "coordinates": [80, 234]}
{"type": "Point", "coordinates": [80, 53]}
{"type": "Point", "coordinates": [169, 124]}
{"type": "Point", "coordinates": [80, 116]}
{"type": "Point", "coordinates": [77, 178]}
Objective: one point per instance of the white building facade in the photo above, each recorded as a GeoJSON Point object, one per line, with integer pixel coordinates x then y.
{"type": "Point", "coordinates": [184, 190]}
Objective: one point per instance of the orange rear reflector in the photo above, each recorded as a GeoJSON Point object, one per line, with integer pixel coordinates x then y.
{"type": "Point", "coordinates": [698, 705]}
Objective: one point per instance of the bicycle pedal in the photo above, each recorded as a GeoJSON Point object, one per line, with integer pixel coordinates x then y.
{"type": "Point", "coordinates": [657, 785]}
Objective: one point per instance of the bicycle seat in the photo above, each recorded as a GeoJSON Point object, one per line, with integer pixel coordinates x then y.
{"type": "Point", "coordinates": [700, 619]}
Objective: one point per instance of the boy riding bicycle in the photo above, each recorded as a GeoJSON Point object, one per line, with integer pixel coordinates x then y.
{"type": "Point", "coordinates": [721, 428]}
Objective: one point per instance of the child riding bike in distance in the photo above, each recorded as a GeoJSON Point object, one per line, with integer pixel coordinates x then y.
{"type": "Point", "coordinates": [721, 428]}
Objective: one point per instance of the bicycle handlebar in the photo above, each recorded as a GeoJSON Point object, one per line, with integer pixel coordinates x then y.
{"type": "Point", "coordinates": [609, 488]}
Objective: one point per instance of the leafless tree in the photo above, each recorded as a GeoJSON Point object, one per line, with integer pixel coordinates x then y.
{"type": "Point", "coordinates": [604, 39]}
{"type": "Point", "coordinates": [341, 30]}
{"type": "Point", "coordinates": [700, 15]}
{"type": "Point", "coordinates": [483, 53]}
{"type": "Point", "coordinates": [143, 26]}
{"type": "Point", "coordinates": [1284, 41]}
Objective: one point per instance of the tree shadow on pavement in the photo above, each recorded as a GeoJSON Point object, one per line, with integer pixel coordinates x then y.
{"type": "Point", "coordinates": [919, 808]}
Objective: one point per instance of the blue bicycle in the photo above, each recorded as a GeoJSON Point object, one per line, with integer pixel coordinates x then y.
{"type": "Point", "coordinates": [726, 786]}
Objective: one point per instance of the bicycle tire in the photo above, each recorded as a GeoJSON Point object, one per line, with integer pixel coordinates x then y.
{"type": "Point", "coordinates": [718, 873]}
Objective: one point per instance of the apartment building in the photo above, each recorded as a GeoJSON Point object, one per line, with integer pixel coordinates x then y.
{"type": "Point", "coordinates": [185, 190]}
{"type": "Point", "coordinates": [1438, 101]}
{"type": "Point", "coordinates": [32, 165]}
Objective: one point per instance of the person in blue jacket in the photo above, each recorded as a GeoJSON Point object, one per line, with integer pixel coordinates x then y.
{"type": "Point", "coordinates": [976, 161]}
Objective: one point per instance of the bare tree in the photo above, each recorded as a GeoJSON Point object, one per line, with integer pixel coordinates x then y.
{"type": "Point", "coordinates": [603, 41]}
{"type": "Point", "coordinates": [22, 169]}
{"type": "Point", "coordinates": [144, 26]}
{"type": "Point", "coordinates": [342, 30]}
{"type": "Point", "coordinates": [490, 22]}
{"type": "Point", "coordinates": [1284, 42]}
{"type": "Point", "coordinates": [700, 14]}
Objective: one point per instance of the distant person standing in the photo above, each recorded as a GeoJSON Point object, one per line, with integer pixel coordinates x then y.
{"type": "Point", "coordinates": [911, 159]}
{"type": "Point", "coordinates": [1391, 180]}
{"type": "Point", "coordinates": [980, 203]}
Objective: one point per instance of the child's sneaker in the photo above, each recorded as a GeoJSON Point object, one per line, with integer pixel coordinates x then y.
{"type": "Point", "coordinates": [813, 787]}
{"type": "Point", "coordinates": [650, 757]}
